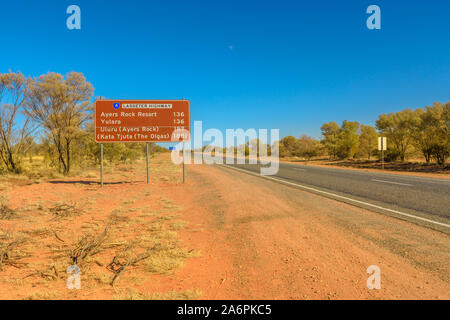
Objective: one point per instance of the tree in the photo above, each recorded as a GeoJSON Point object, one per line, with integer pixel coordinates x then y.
{"type": "Point", "coordinates": [399, 128]}
{"type": "Point", "coordinates": [15, 138]}
{"type": "Point", "coordinates": [330, 132]}
{"type": "Point", "coordinates": [367, 141]}
{"type": "Point", "coordinates": [288, 146]}
{"type": "Point", "coordinates": [308, 147]}
{"type": "Point", "coordinates": [60, 105]}
{"type": "Point", "coordinates": [348, 139]}
{"type": "Point", "coordinates": [432, 132]}
{"type": "Point", "coordinates": [253, 146]}
{"type": "Point", "coordinates": [423, 135]}
{"type": "Point", "coordinates": [256, 146]}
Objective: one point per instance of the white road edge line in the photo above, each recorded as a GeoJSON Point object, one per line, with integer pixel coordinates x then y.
{"type": "Point", "coordinates": [341, 197]}
{"type": "Point", "coordinates": [391, 182]}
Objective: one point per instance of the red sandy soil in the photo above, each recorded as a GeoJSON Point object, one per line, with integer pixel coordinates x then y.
{"type": "Point", "coordinates": [256, 239]}
{"type": "Point", "coordinates": [269, 241]}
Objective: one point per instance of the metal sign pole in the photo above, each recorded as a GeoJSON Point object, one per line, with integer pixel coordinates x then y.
{"type": "Point", "coordinates": [382, 145]}
{"type": "Point", "coordinates": [147, 156]}
{"type": "Point", "coordinates": [101, 164]}
{"type": "Point", "coordinates": [184, 165]}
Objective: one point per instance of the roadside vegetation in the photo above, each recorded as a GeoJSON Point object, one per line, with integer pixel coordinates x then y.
{"type": "Point", "coordinates": [47, 123]}
{"type": "Point", "coordinates": [421, 134]}
{"type": "Point", "coordinates": [54, 215]}
{"type": "Point", "coordinates": [47, 130]}
{"type": "Point", "coordinates": [418, 140]}
{"type": "Point", "coordinates": [127, 244]}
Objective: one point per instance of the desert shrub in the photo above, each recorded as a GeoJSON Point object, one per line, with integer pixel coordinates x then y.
{"type": "Point", "coordinates": [440, 153]}
{"type": "Point", "coordinates": [391, 155]}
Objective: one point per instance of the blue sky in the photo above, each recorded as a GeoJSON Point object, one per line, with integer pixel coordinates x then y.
{"type": "Point", "coordinates": [291, 65]}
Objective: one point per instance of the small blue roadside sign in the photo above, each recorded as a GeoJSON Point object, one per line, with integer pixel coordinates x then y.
{"type": "Point", "coordinates": [171, 148]}
{"type": "Point", "coordinates": [116, 105]}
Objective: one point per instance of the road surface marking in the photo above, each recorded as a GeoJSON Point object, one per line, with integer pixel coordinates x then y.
{"type": "Point", "coordinates": [384, 181]}
{"type": "Point", "coordinates": [298, 169]}
{"type": "Point", "coordinates": [378, 174]}
{"type": "Point", "coordinates": [341, 197]}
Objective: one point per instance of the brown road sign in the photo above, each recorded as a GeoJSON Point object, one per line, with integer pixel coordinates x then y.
{"type": "Point", "coordinates": [142, 121]}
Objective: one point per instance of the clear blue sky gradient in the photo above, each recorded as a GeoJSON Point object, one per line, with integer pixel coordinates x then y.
{"type": "Point", "coordinates": [293, 65]}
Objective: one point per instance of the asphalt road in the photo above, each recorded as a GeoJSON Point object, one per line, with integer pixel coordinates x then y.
{"type": "Point", "coordinates": [426, 198]}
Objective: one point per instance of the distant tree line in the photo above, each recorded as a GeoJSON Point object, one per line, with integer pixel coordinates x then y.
{"type": "Point", "coordinates": [52, 116]}
{"type": "Point", "coordinates": [409, 132]}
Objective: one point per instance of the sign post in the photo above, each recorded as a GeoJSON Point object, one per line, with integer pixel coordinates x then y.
{"type": "Point", "coordinates": [184, 163]}
{"type": "Point", "coordinates": [122, 121]}
{"type": "Point", "coordinates": [147, 160]}
{"type": "Point", "coordinates": [382, 146]}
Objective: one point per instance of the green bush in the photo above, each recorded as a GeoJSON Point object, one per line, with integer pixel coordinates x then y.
{"type": "Point", "coordinates": [391, 155]}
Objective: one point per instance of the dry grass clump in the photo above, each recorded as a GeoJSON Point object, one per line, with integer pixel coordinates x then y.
{"type": "Point", "coordinates": [6, 213]}
{"type": "Point", "coordinates": [44, 295]}
{"type": "Point", "coordinates": [133, 294]}
{"type": "Point", "coordinates": [125, 168]}
{"type": "Point", "coordinates": [165, 171]}
{"type": "Point", "coordinates": [64, 210]}
{"type": "Point", "coordinates": [135, 251]}
{"type": "Point", "coordinates": [90, 175]}
{"type": "Point", "coordinates": [50, 274]}
{"type": "Point", "coordinates": [120, 263]}
{"type": "Point", "coordinates": [40, 232]}
{"type": "Point", "coordinates": [10, 253]}
{"type": "Point", "coordinates": [168, 204]}
{"type": "Point", "coordinates": [166, 258]}
{"type": "Point", "coordinates": [4, 185]}
{"type": "Point", "coordinates": [37, 174]}
{"type": "Point", "coordinates": [118, 216]}
{"type": "Point", "coordinates": [178, 225]}
{"type": "Point", "coordinates": [158, 251]}
{"type": "Point", "coordinates": [87, 246]}
{"type": "Point", "coordinates": [32, 208]}
{"type": "Point", "coordinates": [102, 278]}
{"type": "Point", "coordinates": [127, 202]}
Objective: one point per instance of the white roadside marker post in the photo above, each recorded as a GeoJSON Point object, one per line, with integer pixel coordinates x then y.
{"type": "Point", "coordinates": [382, 146]}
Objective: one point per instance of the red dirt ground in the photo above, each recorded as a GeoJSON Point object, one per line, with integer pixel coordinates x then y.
{"type": "Point", "coordinates": [256, 240]}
